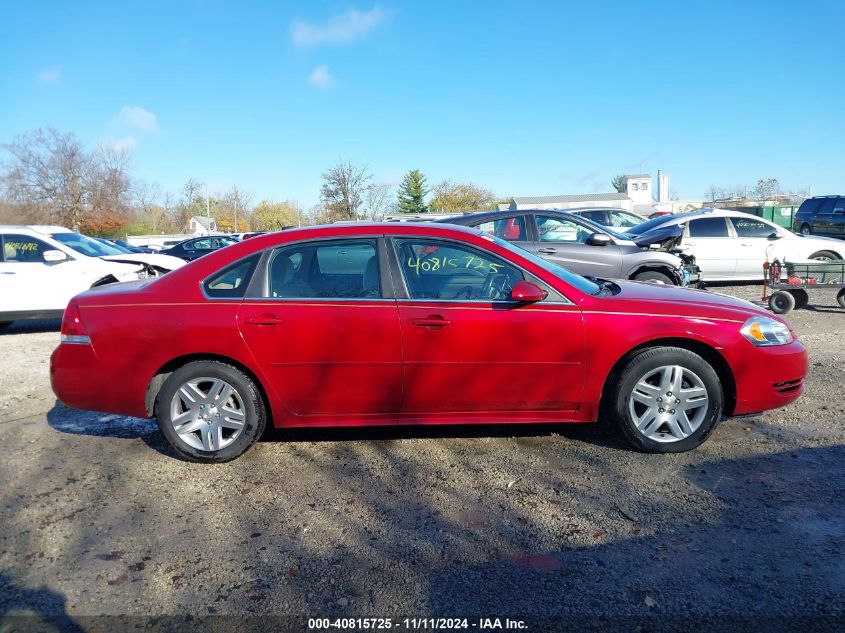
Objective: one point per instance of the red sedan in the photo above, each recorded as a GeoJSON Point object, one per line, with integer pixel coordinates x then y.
{"type": "Point", "coordinates": [368, 324]}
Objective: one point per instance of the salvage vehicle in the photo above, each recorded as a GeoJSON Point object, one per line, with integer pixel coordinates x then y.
{"type": "Point", "coordinates": [587, 248]}
{"type": "Point", "coordinates": [732, 245]}
{"type": "Point", "coordinates": [42, 267]}
{"type": "Point", "coordinates": [407, 323]}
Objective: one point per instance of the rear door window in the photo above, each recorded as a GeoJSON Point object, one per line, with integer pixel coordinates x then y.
{"type": "Point", "coordinates": [749, 227]}
{"type": "Point", "coordinates": [343, 269]}
{"type": "Point", "coordinates": [708, 227]}
{"type": "Point", "coordinates": [511, 229]}
{"type": "Point", "coordinates": [839, 206]}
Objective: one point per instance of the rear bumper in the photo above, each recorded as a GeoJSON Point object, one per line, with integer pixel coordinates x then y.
{"type": "Point", "coordinates": [79, 380]}
{"type": "Point", "coordinates": [773, 378]}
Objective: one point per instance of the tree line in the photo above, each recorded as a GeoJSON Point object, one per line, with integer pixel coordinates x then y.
{"type": "Point", "coordinates": [50, 177]}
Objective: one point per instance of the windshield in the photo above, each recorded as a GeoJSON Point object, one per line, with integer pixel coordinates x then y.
{"type": "Point", "coordinates": [85, 245]}
{"type": "Point", "coordinates": [577, 281]}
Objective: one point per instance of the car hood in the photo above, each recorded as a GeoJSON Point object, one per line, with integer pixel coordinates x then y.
{"type": "Point", "coordinates": [665, 299]}
{"type": "Point", "coordinates": [162, 262]}
{"type": "Point", "coordinates": [666, 238]}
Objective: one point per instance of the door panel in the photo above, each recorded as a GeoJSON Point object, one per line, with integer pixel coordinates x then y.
{"type": "Point", "coordinates": [715, 252]}
{"type": "Point", "coordinates": [474, 349]}
{"type": "Point", "coordinates": [325, 345]}
{"type": "Point", "coordinates": [491, 357]}
{"type": "Point", "coordinates": [326, 357]}
{"type": "Point", "coordinates": [753, 245]}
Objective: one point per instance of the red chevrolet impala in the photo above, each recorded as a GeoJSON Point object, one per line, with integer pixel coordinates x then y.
{"type": "Point", "coordinates": [373, 324]}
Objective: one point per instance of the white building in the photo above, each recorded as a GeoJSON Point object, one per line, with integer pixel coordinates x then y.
{"type": "Point", "coordinates": [617, 200]}
{"type": "Point", "coordinates": [200, 225]}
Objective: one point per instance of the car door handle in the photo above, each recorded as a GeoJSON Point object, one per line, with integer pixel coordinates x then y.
{"type": "Point", "coordinates": [432, 321]}
{"type": "Point", "coordinates": [547, 251]}
{"type": "Point", "coordinates": [7, 272]}
{"type": "Point", "coordinates": [264, 319]}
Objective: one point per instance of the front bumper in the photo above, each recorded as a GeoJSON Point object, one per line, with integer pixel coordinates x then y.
{"type": "Point", "coordinates": [771, 378]}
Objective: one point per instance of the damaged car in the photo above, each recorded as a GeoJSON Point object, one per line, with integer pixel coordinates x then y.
{"type": "Point", "coordinates": [589, 249]}
{"type": "Point", "coordinates": [42, 267]}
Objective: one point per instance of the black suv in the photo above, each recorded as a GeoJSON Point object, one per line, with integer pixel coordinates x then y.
{"type": "Point", "coordinates": [822, 215]}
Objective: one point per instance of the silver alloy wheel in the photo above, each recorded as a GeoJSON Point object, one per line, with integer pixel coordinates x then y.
{"type": "Point", "coordinates": [668, 404]}
{"type": "Point", "coordinates": [207, 413]}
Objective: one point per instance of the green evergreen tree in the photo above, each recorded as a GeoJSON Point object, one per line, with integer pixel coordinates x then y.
{"type": "Point", "coordinates": [412, 193]}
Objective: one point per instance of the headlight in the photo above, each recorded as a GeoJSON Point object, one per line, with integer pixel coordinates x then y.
{"type": "Point", "coordinates": [766, 332]}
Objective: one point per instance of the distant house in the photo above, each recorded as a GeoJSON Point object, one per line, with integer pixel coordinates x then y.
{"type": "Point", "coordinates": [200, 225]}
{"type": "Point", "coordinates": [618, 200]}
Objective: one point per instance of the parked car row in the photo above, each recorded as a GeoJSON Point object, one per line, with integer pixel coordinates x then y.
{"type": "Point", "coordinates": [586, 248]}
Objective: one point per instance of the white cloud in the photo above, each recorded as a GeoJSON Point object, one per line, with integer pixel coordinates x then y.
{"type": "Point", "coordinates": [340, 29]}
{"type": "Point", "coordinates": [50, 75]}
{"type": "Point", "coordinates": [321, 78]}
{"type": "Point", "coordinates": [136, 119]}
{"type": "Point", "coordinates": [123, 144]}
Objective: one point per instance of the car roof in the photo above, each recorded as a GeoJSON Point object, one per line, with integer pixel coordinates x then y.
{"type": "Point", "coordinates": [43, 229]}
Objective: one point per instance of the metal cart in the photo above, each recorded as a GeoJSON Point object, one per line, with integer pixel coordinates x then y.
{"type": "Point", "coordinates": [790, 283]}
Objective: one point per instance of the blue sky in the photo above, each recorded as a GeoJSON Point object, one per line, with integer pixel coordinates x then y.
{"type": "Point", "coordinates": [524, 98]}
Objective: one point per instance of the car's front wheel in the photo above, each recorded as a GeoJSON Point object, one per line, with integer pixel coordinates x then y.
{"type": "Point", "coordinates": [210, 412]}
{"type": "Point", "coordinates": [666, 400]}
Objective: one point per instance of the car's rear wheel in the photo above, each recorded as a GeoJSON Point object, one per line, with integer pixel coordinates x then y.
{"type": "Point", "coordinates": [210, 412]}
{"type": "Point", "coordinates": [667, 400]}
{"type": "Point", "coordinates": [840, 297]}
{"type": "Point", "coordinates": [825, 256]}
{"type": "Point", "coordinates": [654, 277]}
{"type": "Point", "coordinates": [806, 230]}
{"type": "Point", "coordinates": [5, 324]}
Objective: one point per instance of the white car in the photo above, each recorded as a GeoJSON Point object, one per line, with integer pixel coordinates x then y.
{"type": "Point", "coordinates": [42, 267]}
{"type": "Point", "coordinates": [732, 245]}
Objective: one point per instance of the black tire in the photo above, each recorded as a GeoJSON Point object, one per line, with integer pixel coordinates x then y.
{"type": "Point", "coordinates": [825, 256]}
{"type": "Point", "coordinates": [5, 324]}
{"type": "Point", "coordinates": [806, 229]}
{"type": "Point", "coordinates": [801, 298]}
{"type": "Point", "coordinates": [840, 297]}
{"type": "Point", "coordinates": [781, 302]}
{"type": "Point", "coordinates": [654, 277]}
{"type": "Point", "coordinates": [641, 365]}
{"type": "Point", "coordinates": [250, 405]}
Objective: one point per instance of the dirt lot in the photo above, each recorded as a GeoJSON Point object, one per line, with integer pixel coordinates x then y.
{"type": "Point", "coordinates": [99, 517]}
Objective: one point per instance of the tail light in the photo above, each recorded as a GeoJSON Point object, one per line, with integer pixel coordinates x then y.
{"type": "Point", "coordinates": [72, 329]}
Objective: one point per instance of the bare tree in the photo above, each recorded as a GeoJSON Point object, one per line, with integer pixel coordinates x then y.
{"type": "Point", "coordinates": [343, 190]}
{"type": "Point", "coordinates": [50, 171]}
{"type": "Point", "coordinates": [152, 207]}
{"type": "Point", "coordinates": [379, 200]}
{"type": "Point", "coordinates": [765, 189]}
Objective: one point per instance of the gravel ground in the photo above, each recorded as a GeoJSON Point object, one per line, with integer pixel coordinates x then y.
{"type": "Point", "coordinates": [99, 517]}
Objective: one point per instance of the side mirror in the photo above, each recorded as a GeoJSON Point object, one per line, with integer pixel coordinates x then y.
{"type": "Point", "coordinates": [598, 239]}
{"type": "Point", "coordinates": [527, 292]}
{"type": "Point", "coordinates": [774, 236]}
{"type": "Point", "coordinates": [54, 257]}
